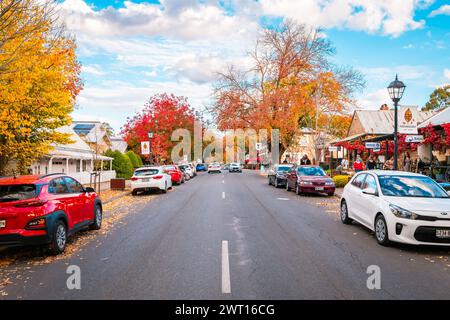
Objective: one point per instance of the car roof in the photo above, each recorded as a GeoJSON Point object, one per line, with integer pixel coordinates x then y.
{"type": "Point", "coordinates": [394, 173]}
{"type": "Point", "coordinates": [149, 167]}
{"type": "Point", "coordinates": [30, 179]}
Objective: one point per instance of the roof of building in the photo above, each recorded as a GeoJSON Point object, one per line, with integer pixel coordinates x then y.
{"type": "Point", "coordinates": [117, 143]}
{"type": "Point", "coordinates": [438, 119]}
{"type": "Point", "coordinates": [382, 121]}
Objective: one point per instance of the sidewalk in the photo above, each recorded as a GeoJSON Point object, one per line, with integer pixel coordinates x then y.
{"type": "Point", "coordinates": [338, 192]}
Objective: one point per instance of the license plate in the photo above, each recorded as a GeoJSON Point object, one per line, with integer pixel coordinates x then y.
{"type": "Point", "coordinates": [2, 224]}
{"type": "Point", "coordinates": [443, 233]}
{"type": "Point", "coordinates": [145, 180]}
{"type": "Point", "coordinates": [320, 188]}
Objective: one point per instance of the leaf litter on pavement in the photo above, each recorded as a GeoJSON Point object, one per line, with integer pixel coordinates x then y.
{"type": "Point", "coordinates": [15, 260]}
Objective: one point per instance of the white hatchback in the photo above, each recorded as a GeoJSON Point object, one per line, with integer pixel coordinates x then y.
{"type": "Point", "coordinates": [214, 167]}
{"type": "Point", "coordinates": [150, 178]}
{"type": "Point", "coordinates": [398, 206]}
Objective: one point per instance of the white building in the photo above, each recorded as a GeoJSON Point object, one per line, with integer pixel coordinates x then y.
{"type": "Point", "coordinates": [76, 159]}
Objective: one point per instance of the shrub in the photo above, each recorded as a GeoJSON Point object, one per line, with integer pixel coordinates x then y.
{"type": "Point", "coordinates": [341, 180]}
{"type": "Point", "coordinates": [133, 158]}
{"type": "Point", "coordinates": [121, 164]}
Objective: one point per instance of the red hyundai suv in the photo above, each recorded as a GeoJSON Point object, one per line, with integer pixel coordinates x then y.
{"type": "Point", "coordinates": [36, 210]}
{"type": "Point", "coordinates": [175, 173]}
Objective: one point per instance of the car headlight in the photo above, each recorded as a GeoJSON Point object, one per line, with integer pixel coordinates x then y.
{"type": "Point", "coordinates": [329, 183]}
{"type": "Point", "coordinates": [402, 213]}
{"type": "Point", "coordinates": [306, 183]}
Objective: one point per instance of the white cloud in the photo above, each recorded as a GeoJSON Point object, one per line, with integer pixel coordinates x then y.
{"type": "Point", "coordinates": [447, 74]}
{"type": "Point", "coordinates": [445, 9]}
{"type": "Point", "coordinates": [374, 100]}
{"type": "Point", "coordinates": [385, 16]}
{"type": "Point", "coordinates": [94, 69]}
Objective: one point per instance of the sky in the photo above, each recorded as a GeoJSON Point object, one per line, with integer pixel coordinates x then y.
{"type": "Point", "coordinates": [131, 50]}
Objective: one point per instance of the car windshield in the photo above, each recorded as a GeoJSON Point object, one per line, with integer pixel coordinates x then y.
{"type": "Point", "coordinates": [283, 169]}
{"type": "Point", "coordinates": [17, 192]}
{"type": "Point", "coordinates": [171, 168]}
{"type": "Point", "coordinates": [406, 186]}
{"type": "Point", "coordinates": [146, 172]}
{"type": "Point", "coordinates": [311, 171]}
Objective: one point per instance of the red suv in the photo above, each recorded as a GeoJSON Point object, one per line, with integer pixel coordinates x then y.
{"type": "Point", "coordinates": [36, 210]}
{"type": "Point", "coordinates": [175, 173]}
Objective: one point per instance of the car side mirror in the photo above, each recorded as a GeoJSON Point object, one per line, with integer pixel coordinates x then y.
{"type": "Point", "coordinates": [370, 191]}
{"type": "Point", "coordinates": [89, 190]}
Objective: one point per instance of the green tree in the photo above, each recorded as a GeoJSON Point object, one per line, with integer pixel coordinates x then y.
{"type": "Point", "coordinates": [439, 99]}
{"type": "Point", "coordinates": [121, 164]}
{"type": "Point", "coordinates": [133, 158]}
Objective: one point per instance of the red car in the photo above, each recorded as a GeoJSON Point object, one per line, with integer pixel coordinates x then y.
{"type": "Point", "coordinates": [309, 179]}
{"type": "Point", "coordinates": [37, 210]}
{"type": "Point", "coordinates": [175, 173]}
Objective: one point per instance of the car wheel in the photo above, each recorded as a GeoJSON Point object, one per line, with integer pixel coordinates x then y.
{"type": "Point", "coordinates": [98, 218]}
{"type": "Point", "coordinates": [165, 188]}
{"type": "Point", "coordinates": [344, 213]}
{"type": "Point", "coordinates": [134, 192]}
{"type": "Point", "coordinates": [287, 186]}
{"type": "Point", "coordinates": [381, 231]}
{"type": "Point", "coordinates": [275, 183]}
{"type": "Point", "coordinates": [298, 191]}
{"type": "Point", "coordinates": [270, 181]}
{"type": "Point", "coordinates": [59, 238]}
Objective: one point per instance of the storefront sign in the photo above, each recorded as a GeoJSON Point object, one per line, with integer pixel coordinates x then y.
{"type": "Point", "coordinates": [414, 139]}
{"type": "Point", "coordinates": [407, 124]}
{"type": "Point", "coordinates": [332, 149]}
{"type": "Point", "coordinates": [373, 145]}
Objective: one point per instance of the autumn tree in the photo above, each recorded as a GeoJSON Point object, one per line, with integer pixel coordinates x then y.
{"type": "Point", "coordinates": [439, 99]}
{"type": "Point", "coordinates": [290, 84]}
{"type": "Point", "coordinates": [39, 82]}
{"type": "Point", "coordinates": [162, 114]}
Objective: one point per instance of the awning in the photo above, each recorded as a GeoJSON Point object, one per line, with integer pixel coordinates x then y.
{"type": "Point", "coordinates": [380, 138]}
{"type": "Point", "coordinates": [77, 155]}
{"type": "Point", "coordinates": [356, 136]}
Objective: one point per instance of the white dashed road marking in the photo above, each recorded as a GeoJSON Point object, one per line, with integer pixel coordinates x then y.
{"type": "Point", "coordinates": [226, 285]}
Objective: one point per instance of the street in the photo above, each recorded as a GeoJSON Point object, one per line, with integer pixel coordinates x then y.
{"type": "Point", "coordinates": [232, 236]}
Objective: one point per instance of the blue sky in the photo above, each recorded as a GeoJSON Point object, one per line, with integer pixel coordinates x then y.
{"type": "Point", "coordinates": [131, 50]}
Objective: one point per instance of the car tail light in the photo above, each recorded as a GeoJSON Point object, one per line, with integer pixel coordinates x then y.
{"type": "Point", "coordinates": [36, 224]}
{"type": "Point", "coordinates": [158, 177]}
{"type": "Point", "coordinates": [34, 203]}
{"type": "Point", "coordinates": [134, 179]}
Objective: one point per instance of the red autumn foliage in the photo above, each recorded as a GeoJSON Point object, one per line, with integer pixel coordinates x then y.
{"type": "Point", "coordinates": [162, 114]}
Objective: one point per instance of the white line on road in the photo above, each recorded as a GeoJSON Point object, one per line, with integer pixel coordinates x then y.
{"type": "Point", "coordinates": [223, 195]}
{"type": "Point", "coordinates": [226, 286]}
{"type": "Point", "coordinates": [283, 199]}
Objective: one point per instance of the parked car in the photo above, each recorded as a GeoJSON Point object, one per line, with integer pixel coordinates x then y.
{"type": "Point", "coordinates": [150, 178]}
{"type": "Point", "coordinates": [46, 210]}
{"type": "Point", "coordinates": [188, 169]}
{"type": "Point", "coordinates": [214, 168]}
{"type": "Point", "coordinates": [398, 206]}
{"type": "Point", "coordinates": [175, 173]}
{"type": "Point", "coordinates": [235, 167]}
{"type": "Point", "coordinates": [194, 169]}
{"type": "Point", "coordinates": [226, 167]}
{"type": "Point", "coordinates": [309, 179]}
{"type": "Point", "coordinates": [201, 167]}
{"type": "Point", "coordinates": [277, 175]}
{"type": "Point", "coordinates": [187, 176]}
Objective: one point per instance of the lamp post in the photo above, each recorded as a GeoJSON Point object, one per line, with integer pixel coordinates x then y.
{"type": "Point", "coordinates": [396, 89]}
{"type": "Point", "coordinates": [150, 136]}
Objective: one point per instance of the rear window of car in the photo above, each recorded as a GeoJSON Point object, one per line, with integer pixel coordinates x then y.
{"type": "Point", "coordinates": [171, 168]}
{"type": "Point", "coordinates": [17, 192]}
{"type": "Point", "coordinates": [146, 172]}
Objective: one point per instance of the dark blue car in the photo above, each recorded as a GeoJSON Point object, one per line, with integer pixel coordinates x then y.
{"type": "Point", "coordinates": [201, 167]}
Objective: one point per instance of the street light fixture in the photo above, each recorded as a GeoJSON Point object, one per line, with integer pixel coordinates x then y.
{"type": "Point", "coordinates": [396, 90]}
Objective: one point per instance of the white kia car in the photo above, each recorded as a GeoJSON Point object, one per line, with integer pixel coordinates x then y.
{"type": "Point", "coordinates": [150, 178]}
{"type": "Point", "coordinates": [214, 167]}
{"type": "Point", "coordinates": [398, 206]}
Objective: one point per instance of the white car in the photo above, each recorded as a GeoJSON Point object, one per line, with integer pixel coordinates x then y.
{"type": "Point", "coordinates": [235, 167]}
{"type": "Point", "coordinates": [150, 178]}
{"type": "Point", "coordinates": [214, 167]}
{"type": "Point", "coordinates": [188, 169]}
{"type": "Point", "coordinates": [398, 206]}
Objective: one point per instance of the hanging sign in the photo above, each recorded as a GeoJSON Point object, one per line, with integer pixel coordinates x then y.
{"type": "Point", "coordinates": [145, 148]}
{"type": "Point", "coordinates": [407, 123]}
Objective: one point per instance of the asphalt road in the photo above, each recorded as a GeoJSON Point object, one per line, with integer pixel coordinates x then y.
{"type": "Point", "coordinates": [280, 246]}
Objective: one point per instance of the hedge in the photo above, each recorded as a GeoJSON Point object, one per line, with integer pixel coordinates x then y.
{"type": "Point", "coordinates": [134, 158]}
{"type": "Point", "coordinates": [341, 180]}
{"type": "Point", "coordinates": [121, 164]}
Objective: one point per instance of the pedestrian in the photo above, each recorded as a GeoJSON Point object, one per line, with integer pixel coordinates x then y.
{"type": "Point", "coordinates": [389, 164]}
{"type": "Point", "coordinates": [407, 162]}
{"type": "Point", "coordinates": [344, 164]}
{"type": "Point", "coordinates": [371, 164]}
{"type": "Point", "coordinates": [358, 165]}
{"type": "Point", "coordinates": [305, 161]}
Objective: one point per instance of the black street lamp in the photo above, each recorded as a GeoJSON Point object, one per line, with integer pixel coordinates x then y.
{"type": "Point", "coordinates": [396, 89]}
{"type": "Point", "coordinates": [150, 136]}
